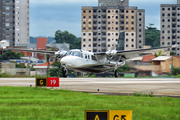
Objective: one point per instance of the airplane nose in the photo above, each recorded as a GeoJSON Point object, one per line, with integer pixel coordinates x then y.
{"type": "Point", "coordinates": [66, 61]}
{"type": "Point", "coordinates": [63, 61]}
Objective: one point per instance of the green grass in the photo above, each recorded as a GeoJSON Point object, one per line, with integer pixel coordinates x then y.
{"type": "Point", "coordinates": [28, 103]}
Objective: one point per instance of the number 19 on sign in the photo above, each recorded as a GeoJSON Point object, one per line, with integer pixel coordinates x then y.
{"type": "Point", "coordinates": [52, 82]}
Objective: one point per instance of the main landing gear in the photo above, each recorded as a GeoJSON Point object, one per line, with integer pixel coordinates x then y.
{"type": "Point", "coordinates": [64, 72]}
{"type": "Point", "coordinates": [116, 73]}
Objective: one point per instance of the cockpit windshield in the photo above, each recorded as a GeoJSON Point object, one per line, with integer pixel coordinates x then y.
{"type": "Point", "coordinates": [74, 53]}
{"type": "Point", "coordinates": [68, 53]}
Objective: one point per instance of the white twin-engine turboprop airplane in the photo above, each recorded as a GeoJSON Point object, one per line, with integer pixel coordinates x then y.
{"type": "Point", "coordinates": [90, 62]}
{"type": "Point", "coordinates": [97, 62]}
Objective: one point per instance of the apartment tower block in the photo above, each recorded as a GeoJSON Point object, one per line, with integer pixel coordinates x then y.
{"type": "Point", "coordinates": [102, 24]}
{"type": "Point", "coordinates": [14, 21]}
{"type": "Point", "coordinates": [170, 26]}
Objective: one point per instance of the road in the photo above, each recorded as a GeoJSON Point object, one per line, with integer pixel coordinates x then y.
{"type": "Point", "coordinates": [157, 86]}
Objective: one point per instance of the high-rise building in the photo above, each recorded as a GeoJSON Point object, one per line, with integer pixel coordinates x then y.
{"type": "Point", "coordinates": [170, 26]}
{"type": "Point", "coordinates": [14, 21]}
{"type": "Point", "coordinates": [102, 25]}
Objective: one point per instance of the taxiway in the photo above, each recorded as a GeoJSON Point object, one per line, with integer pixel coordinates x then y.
{"type": "Point", "coordinates": [157, 86]}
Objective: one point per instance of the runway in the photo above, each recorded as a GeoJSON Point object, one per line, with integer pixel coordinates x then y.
{"type": "Point", "coordinates": [157, 86]}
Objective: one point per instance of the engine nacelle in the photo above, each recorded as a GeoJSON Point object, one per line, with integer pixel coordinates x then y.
{"type": "Point", "coordinates": [60, 53]}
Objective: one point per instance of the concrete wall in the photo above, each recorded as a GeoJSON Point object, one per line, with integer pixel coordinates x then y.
{"type": "Point", "coordinates": [16, 71]}
{"type": "Point", "coordinates": [148, 67]}
{"type": "Point", "coordinates": [8, 65]}
{"type": "Point", "coordinates": [40, 71]}
{"type": "Point", "coordinates": [10, 68]}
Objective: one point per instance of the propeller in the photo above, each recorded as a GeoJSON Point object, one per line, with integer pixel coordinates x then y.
{"type": "Point", "coordinates": [62, 49]}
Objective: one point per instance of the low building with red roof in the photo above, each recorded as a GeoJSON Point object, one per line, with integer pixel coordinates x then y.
{"type": "Point", "coordinates": [41, 69]}
{"type": "Point", "coordinates": [148, 58]}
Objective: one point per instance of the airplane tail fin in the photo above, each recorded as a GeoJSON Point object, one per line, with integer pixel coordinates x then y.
{"type": "Point", "coordinates": [120, 42]}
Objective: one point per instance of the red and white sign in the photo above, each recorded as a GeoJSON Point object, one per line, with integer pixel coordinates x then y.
{"type": "Point", "coordinates": [52, 82]}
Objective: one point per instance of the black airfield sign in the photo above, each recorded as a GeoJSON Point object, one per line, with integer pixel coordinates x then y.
{"type": "Point", "coordinates": [108, 115]}
{"type": "Point", "coordinates": [41, 82]}
{"type": "Point", "coordinates": [96, 115]}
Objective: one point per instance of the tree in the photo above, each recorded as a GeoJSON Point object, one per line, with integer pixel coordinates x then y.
{"type": "Point", "coordinates": [159, 54]}
{"type": "Point", "coordinates": [20, 65]}
{"type": "Point", "coordinates": [20, 54]}
{"type": "Point", "coordinates": [172, 53]}
{"type": "Point", "coordinates": [175, 71]}
{"type": "Point", "coordinates": [56, 72]}
{"type": "Point", "coordinates": [9, 55]}
{"type": "Point", "coordinates": [66, 37]}
{"type": "Point", "coordinates": [124, 68]}
{"type": "Point", "coordinates": [152, 36]}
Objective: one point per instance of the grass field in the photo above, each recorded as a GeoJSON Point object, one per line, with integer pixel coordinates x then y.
{"type": "Point", "coordinates": [26, 103]}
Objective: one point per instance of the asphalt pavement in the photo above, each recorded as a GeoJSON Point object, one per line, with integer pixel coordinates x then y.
{"type": "Point", "coordinates": [125, 86]}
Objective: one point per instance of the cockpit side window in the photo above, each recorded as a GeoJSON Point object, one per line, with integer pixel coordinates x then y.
{"type": "Point", "coordinates": [68, 53]}
{"type": "Point", "coordinates": [81, 55]}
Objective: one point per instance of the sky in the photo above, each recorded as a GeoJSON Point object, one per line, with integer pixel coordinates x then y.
{"type": "Point", "coordinates": [48, 16]}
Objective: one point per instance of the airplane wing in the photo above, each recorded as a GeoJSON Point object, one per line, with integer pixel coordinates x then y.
{"type": "Point", "coordinates": [128, 53]}
{"type": "Point", "coordinates": [33, 50]}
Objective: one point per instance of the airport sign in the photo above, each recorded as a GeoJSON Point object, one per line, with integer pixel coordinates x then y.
{"type": "Point", "coordinates": [96, 115]}
{"type": "Point", "coordinates": [120, 115]}
{"type": "Point", "coordinates": [41, 82]}
{"type": "Point", "coordinates": [53, 82]}
{"type": "Point", "coordinates": [108, 115]}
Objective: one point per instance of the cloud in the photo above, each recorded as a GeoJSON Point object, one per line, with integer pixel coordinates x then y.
{"type": "Point", "coordinates": [49, 27]}
{"type": "Point", "coordinates": [47, 16]}
{"type": "Point", "coordinates": [154, 19]}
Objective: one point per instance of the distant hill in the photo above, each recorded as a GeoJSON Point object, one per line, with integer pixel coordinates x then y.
{"type": "Point", "coordinates": [33, 40]}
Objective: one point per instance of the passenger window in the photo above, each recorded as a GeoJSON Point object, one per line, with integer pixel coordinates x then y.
{"type": "Point", "coordinates": [85, 56]}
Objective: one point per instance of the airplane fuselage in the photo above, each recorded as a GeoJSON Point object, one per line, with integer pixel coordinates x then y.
{"type": "Point", "coordinates": [86, 62]}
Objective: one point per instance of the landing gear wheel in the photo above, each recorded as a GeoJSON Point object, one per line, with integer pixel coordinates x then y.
{"type": "Point", "coordinates": [116, 73]}
{"type": "Point", "coordinates": [65, 72]}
